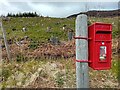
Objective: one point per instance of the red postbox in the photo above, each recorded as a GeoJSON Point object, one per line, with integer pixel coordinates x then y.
{"type": "Point", "coordinates": [100, 37]}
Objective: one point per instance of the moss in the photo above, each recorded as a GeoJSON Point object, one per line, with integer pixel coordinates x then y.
{"type": "Point", "coordinates": [21, 58]}
{"type": "Point", "coordinates": [6, 72]}
{"type": "Point", "coordinates": [115, 67]}
{"type": "Point", "coordinates": [59, 80]}
{"type": "Point", "coordinates": [33, 45]}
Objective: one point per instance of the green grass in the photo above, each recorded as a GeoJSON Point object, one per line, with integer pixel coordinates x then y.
{"type": "Point", "coordinates": [115, 67]}
{"type": "Point", "coordinates": [37, 32]}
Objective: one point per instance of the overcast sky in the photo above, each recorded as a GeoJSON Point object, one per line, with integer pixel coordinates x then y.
{"type": "Point", "coordinates": [55, 8]}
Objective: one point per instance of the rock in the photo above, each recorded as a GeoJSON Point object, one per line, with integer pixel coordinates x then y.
{"type": "Point", "coordinates": [19, 77]}
{"type": "Point", "coordinates": [103, 79]}
{"type": "Point", "coordinates": [54, 40]}
{"type": "Point", "coordinates": [61, 72]}
{"type": "Point", "coordinates": [111, 84]}
{"type": "Point", "coordinates": [64, 27]}
{"type": "Point", "coordinates": [54, 65]}
{"type": "Point", "coordinates": [24, 29]}
{"type": "Point", "coordinates": [33, 77]}
{"type": "Point", "coordinates": [18, 43]}
{"type": "Point", "coordinates": [19, 83]}
{"type": "Point", "coordinates": [48, 29]}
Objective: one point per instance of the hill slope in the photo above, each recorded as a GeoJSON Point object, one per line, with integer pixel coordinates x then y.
{"type": "Point", "coordinates": [112, 13]}
{"type": "Point", "coordinates": [36, 28]}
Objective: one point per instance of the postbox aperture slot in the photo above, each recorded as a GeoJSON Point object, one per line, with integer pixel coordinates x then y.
{"type": "Point", "coordinates": [103, 32]}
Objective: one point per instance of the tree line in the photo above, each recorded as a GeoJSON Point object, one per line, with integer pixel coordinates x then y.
{"type": "Point", "coordinates": [25, 14]}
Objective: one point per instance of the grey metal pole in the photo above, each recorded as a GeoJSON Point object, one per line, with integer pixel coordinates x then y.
{"type": "Point", "coordinates": [82, 76]}
{"type": "Point", "coordinates": [5, 40]}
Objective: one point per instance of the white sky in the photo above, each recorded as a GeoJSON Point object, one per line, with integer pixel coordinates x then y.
{"type": "Point", "coordinates": [55, 8]}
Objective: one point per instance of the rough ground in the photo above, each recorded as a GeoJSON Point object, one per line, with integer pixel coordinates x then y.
{"type": "Point", "coordinates": [48, 72]}
{"type": "Point", "coordinates": [98, 79]}
{"type": "Point", "coordinates": [52, 74]}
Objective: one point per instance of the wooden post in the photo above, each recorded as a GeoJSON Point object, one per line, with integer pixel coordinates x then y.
{"type": "Point", "coordinates": [82, 76]}
{"type": "Point", "coordinates": [0, 46]}
{"type": "Point", "coordinates": [5, 41]}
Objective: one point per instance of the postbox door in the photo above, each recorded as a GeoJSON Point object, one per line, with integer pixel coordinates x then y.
{"type": "Point", "coordinates": [103, 55]}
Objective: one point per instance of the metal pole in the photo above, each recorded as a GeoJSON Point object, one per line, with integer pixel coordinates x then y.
{"type": "Point", "coordinates": [82, 76]}
{"type": "Point", "coordinates": [5, 40]}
